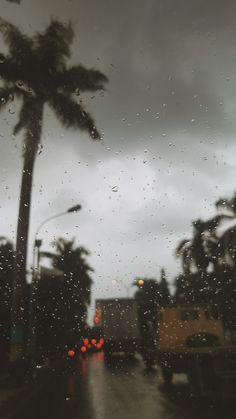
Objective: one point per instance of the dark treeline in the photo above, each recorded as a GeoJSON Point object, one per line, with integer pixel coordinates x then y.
{"type": "Point", "coordinates": [63, 296]}
{"type": "Point", "coordinates": [59, 301]}
{"type": "Point", "coordinates": [209, 263]}
{"type": "Point", "coordinates": [6, 281]}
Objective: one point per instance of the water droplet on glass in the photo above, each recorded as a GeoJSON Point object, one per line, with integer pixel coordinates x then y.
{"type": "Point", "coordinates": [20, 84]}
{"type": "Point", "coordinates": [40, 148]}
{"type": "Point", "coordinates": [2, 59]}
{"type": "Point", "coordinates": [115, 188]}
{"type": "Point", "coordinates": [192, 120]}
{"type": "Point", "coordinates": [77, 91]}
{"type": "Point", "coordinates": [145, 151]}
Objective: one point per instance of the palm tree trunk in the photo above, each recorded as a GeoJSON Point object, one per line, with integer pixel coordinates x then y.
{"type": "Point", "coordinates": [19, 303]}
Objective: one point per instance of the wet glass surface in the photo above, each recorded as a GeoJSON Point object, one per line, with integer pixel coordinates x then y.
{"type": "Point", "coordinates": [117, 209]}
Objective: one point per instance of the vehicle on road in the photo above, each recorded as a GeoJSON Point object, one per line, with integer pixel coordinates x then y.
{"type": "Point", "coordinates": [119, 322]}
{"type": "Point", "coordinates": [190, 339]}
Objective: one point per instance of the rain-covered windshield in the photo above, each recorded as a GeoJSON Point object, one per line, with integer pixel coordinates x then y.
{"type": "Point", "coordinates": [117, 209]}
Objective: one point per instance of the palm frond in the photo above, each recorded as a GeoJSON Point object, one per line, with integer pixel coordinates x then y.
{"type": "Point", "coordinates": [28, 115]}
{"type": "Point", "coordinates": [227, 203]}
{"type": "Point", "coordinates": [71, 114]}
{"type": "Point", "coordinates": [53, 46]}
{"type": "Point", "coordinates": [9, 70]}
{"type": "Point", "coordinates": [20, 46]}
{"type": "Point", "coordinates": [181, 246]}
{"type": "Point", "coordinates": [212, 224]}
{"type": "Point", "coordinates": [78, 77]}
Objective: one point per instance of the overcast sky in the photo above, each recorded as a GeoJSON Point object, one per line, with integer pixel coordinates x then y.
{"type": "Point", "coordinates": [168, 118]}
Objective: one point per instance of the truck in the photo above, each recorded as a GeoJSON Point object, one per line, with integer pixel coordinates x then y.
{"type": "Point", "coordinates": [190, 339]}
{"type": "Point", "coordinates": [119, 322]}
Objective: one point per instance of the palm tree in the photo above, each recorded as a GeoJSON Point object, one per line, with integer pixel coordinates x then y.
{"type": "Point", "coordinates": [192, 251]}
{"type": "Point", "coordinates": [204, 248]}
{"type": "Point", "coordinates": [35, 71]}
{"type": "Point", "coordinates": [228, 238]}
{"type": "Point", "coordinates": [71, 260]}
{"type": "Point", "coordinates": [184, 251]}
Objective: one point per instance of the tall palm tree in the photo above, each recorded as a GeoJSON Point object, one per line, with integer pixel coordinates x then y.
{"type": "Point", "coordinates": [35, 71]}
{"type": "Point", "coordinates": [71, 260]}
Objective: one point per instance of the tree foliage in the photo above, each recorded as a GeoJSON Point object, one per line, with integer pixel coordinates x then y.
{"type": "Point", "coordinates": [209, 263]}
{"type": "Point", "coordinates": [6, 280]}
{"type": "Point", "coordinates": [35, 71]}
{"type": "Point", "coordinates": [64, 295]}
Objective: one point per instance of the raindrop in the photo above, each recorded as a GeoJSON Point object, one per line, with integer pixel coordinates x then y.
{"type": "Point", "coordinates": [77, 91]}
{"type": "Point", "coordinates": [40, 148]}
{"type": "Point", "coordinates": [193, 120]}
{"type": "Point", "coordinates": [145, 151]}
{"type": "Point", "coordinates": [115, 188]}
{"type": "Point", "coordinates": [2, 59]}
{"type": "Point", "coordinates": [20, 84]}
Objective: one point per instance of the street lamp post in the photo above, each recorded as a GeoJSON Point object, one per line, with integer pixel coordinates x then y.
{"type": "Point", "coordinates": [35, 277]}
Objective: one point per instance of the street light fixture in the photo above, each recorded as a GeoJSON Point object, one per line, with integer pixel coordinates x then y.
{"type": "Point", "coordinates": [37, 245]}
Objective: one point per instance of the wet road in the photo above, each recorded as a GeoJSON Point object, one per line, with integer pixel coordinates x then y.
{"type": "Point", "coordinates": [121, 390]}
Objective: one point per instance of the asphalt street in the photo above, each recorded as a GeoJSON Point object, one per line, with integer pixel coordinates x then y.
{"type": "Point", "coordinates": [120, 390]}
